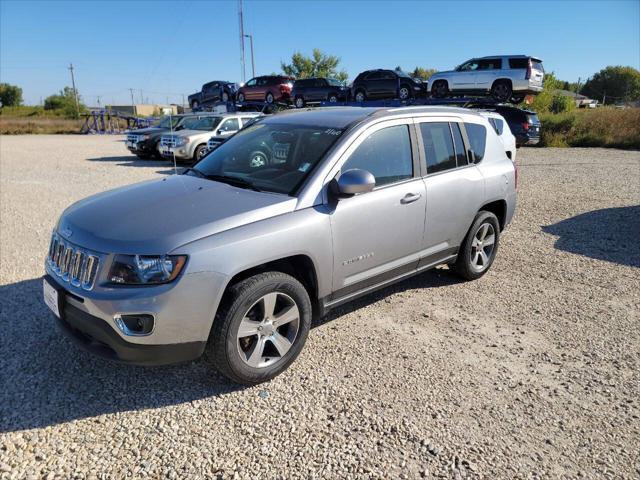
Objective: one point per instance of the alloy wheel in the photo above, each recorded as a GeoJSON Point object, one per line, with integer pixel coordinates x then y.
{"type": "Point", "coordinates": [268, 330]}
{"type": "Point", "coordinates": [299, 102]}
{"type": "Point", "coordinates": [482, 247]}
{"type": "Point", "coordinates": [404, 93]}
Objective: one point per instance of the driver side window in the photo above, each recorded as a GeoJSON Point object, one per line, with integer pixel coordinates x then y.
{"type": "Point", "coordinates": [251, 83]}
{"type": "Point", "coordinates": [386, 154]}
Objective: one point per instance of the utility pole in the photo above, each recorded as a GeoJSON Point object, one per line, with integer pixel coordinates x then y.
{"type": "Point", "coordinates": [133, 103]}
{"type": "Point", "coordinates": [141, 97]}
{"type": "Point", "coordinates": [75, 92]}
{"type": "Point", "coordinates": [241, 40]}
{"type": "Point", "coordinates": [253, 63]}
{"type": "Point", "coordinates": [98, 100]}
{"type": "Point", "coordinates": [183, 104]}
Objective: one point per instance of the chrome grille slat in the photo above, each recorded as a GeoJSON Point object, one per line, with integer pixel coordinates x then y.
{"type": "Point", "coordinates": [72, 263]}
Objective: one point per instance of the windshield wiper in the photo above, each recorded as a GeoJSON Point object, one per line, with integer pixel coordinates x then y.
{"type": "Point", "coordinates": [234, 181]}
{"type": "Point", "coordinates": [194, 170]}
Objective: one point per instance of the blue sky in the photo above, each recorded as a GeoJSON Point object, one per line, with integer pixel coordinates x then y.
{"type": "Point", "coordinates": [171, 47]}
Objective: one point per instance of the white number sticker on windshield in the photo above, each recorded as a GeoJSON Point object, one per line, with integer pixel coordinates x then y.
{"type": "Point", "coordinates": [332, 131]}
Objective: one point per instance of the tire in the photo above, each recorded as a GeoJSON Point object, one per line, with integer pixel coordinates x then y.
{"type": "Point", "coordinates": [269, 98]}
{"type": "Point", "coordinates": [225, 97]}
{"type": "Point", "coordinates": [194, 105]}
{"type": "Point", "coordinates": [257, 357]}
{"type": "Point", "coordinates": [468, 259]}
{"type": "Point", "coordinates": [440, 89]}
{"type": "Point", "coordinates": [299, 102]}
{"type": "Point", "coordinates": [360, 96]}
{"type": "Point", "coordinates": [404, 93]}
{"type": "Point", "coordinates": [501, 91]}
{"type": "Point", "coordinates": [332, 98]}
{"type": "Point", "coordinates": [516, 99]}
{"type": "Point", "coordinates": [241, 98]}
{"type": "Point", "coordinates": [143, 156]}
{"type": "Point", "coordinates": [156, 153]}
{"type": "Point", "coordinates": [199, 153]}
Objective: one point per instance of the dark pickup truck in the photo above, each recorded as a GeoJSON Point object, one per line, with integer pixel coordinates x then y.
{"type": "Point", "coordinates": [212, 92]}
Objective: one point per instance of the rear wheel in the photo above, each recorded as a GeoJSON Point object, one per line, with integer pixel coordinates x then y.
{"type": "Point", "coordinates": [404, 93]}
{"type": "Point", "coordinates": [360, 96]}
{"type": "Point", "coordinates": [501, 91]}
{"type": "Point", "coordinates": [194, 105]}
{"type": "Point", "coordinates": [269, 98]}
{"type": "Point", "coordinates": [440, 89]}
{"type": "Point", "coordinates": [479, 248]}
{"type": "Point", "coordinates": [241, 97]}
{"type": "Point", "coordinates": [225, 97]}
{"type": "Point", "coordinates": [299, 102]}
{"type": "Point", "coordinates": [333, 98]}
{"type": "Point", "coordinates": [260, 328]}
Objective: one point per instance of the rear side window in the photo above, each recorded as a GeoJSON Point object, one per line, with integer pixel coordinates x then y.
{"type": "Point", "coordinates": [302, 83]}
{"type": "Point", "coordinates": [498, 125]}
{"type": "Point", "coordinates": [386, 154]}
{"type": "Point", "coordinates": [490, 64]}
{"type": "Point", "coordinates": [461, 154]}
{"type": "Point", "coordinates": [477, 135]}
{"type": "Point", "coordinates": [438, 146]}
{"type": "Point", "coordinates": [518, 62]}
{"type": "Point", "coordinates": [533, 118]}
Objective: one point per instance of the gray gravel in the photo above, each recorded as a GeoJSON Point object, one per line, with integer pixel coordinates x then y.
{"type": "Point", "coordinates": [530, 372]}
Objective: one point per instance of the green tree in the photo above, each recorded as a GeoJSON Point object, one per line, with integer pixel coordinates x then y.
{"type": "Point", "coordinates": [619, 84]}
{"type": "Point", "coordinates": [64, 103]}
{"type": "Point", "coordinates": [422, 73]}
{"type": "Point", "coordinates": [10, 95]}
{"type": "Point", "coordinates": [319, 64]}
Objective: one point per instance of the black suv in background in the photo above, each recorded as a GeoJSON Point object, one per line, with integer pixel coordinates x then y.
{"type": "Point", "coordinates": [382, 84]}
{"type": "Point", "coordinates": [309, 90]}
{"type": "Point", "coordinates": [212, 92]}
{"type": "Point", "coordinates": [524, 124]}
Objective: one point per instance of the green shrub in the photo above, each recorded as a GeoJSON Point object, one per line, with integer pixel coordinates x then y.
{"type": "Point", "coordinates": [602, 127]}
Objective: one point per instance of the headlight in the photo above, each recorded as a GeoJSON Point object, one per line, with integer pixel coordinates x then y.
{"type": "Point", "coordinates": [145, 269]}
{"type": "Point", "coordinates": [145, 137]}
{"type": "Point", "coordinates": [182, 141]}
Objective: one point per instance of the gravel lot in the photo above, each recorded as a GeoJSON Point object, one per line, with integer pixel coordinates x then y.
{"type": "Point", "coordinates": [530, 372]}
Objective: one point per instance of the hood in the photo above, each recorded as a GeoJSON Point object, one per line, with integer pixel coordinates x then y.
{"type": "Point", "coordinates": [188, 133]}
{"type": "Point", "coordinates": [440, 74]}
{"type": "Point", "coordinates": [149, 130]}
{"type": "Point", "coordinates": [157, 216]}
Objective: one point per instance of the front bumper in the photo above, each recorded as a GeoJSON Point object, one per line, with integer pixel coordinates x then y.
{"type": "Point", "coordinates": [140, 148]}
{"type": "Point", "coordinates": [180, 153]}
{"type": "Point", "coordinates": [97, 337]}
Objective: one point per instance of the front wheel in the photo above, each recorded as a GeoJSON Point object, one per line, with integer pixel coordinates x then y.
{"type": "Point", "coordinates": [333, 98]}
{"type": "Point", "coordinates": [479, 248]}
{"type": "Point", "coordinates": [360, 96]}
{"type": "Point", "coordinates": [200, 153]}
{"type": "Point", "coordinates": [241, 97]}
{"type": "Point", "coordinates": [516, 99]}
{"type": "Point", "coordinates": [261, 327]}
{"type": "Point", "coordinates": [299, 102]}
{"type": "Point", "coordinates": [225, 97]}
{"type": "Point", "coordinates": [269, 98]}
{"type": "Point", "coordinates": [440, 89]}
{"type": "Point", "coordinates": [194, 105]}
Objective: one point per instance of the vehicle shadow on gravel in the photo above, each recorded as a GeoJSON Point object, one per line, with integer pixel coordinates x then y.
{"type": "Point", "coordinates": [436, 278]}
{"type": "Point", "coordinates": [609, 234]}
{"type": "Point", "coordinates": [133, 161]}
{"type": "Point", "coordinates": [45, 379]}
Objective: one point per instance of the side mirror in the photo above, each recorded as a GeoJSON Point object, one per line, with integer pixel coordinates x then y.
{"type": "Point", "coordinates": [353, 182]}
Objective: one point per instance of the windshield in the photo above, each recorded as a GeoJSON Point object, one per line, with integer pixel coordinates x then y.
{"type": "Point", "coordinates": [168, 122]}
{"type": "Point", "coordinates": [402, 73]}
{"type": "Point", "coordinates": [205, 123]}
{"type": "Point", "coordinates": [334, 82]}
{"type": "Point", "coordinates": [269, 156]}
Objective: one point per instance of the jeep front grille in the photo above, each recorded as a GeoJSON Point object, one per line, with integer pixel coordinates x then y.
{"type": "Point", "coordinates": [132, 137]}
{"type": "Point", "coordinates": [72, 264]}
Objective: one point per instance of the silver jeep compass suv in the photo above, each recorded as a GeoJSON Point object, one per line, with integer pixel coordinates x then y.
{"type": "Point", "coordinates": [236, 256]}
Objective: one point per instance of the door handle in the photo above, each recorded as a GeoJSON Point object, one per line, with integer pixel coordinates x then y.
{"type": "Point", "coordinates": [410, 198]}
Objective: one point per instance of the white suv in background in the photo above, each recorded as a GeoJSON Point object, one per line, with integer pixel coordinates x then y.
{"type": "Point", "coordinates": [501, 127]}
{"type": "Point", "coordinates": [504, 77]}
